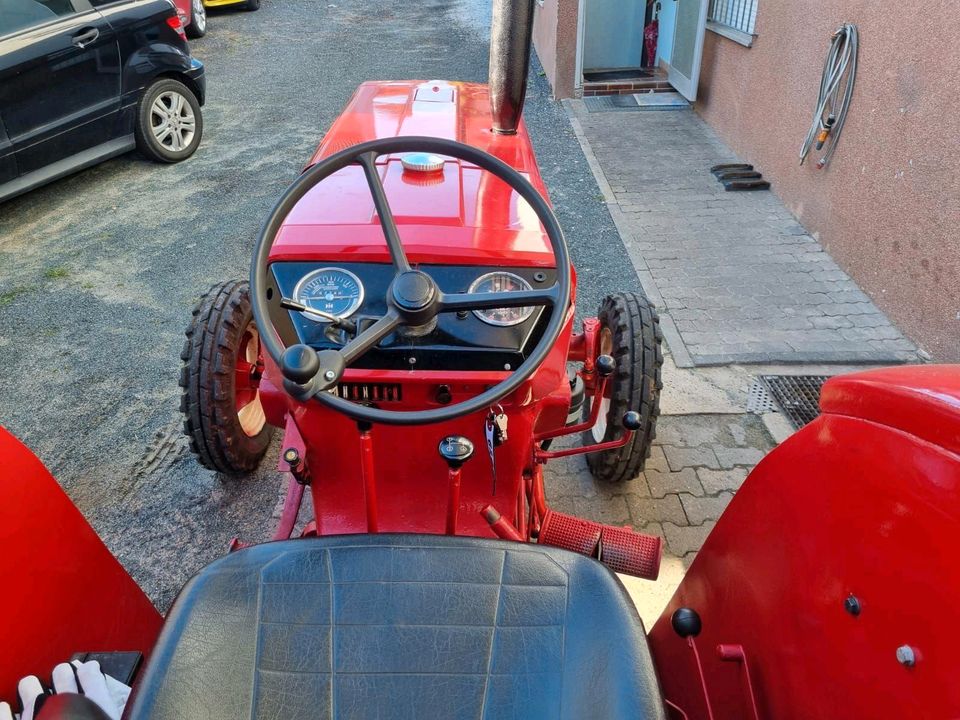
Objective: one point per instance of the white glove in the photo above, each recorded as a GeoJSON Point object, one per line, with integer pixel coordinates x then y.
{"type": "Point", "coordinates": [85, 678]}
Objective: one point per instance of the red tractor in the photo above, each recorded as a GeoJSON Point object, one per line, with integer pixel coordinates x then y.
{"type": "Point", "coordinates": [409, 326]}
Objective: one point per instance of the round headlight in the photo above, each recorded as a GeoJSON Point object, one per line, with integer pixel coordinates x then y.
{"type": "Point", "coordinates": [500, 281]}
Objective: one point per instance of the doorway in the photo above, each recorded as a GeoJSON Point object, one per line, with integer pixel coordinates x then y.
{"type": "Point", "coordinates": [613, 37]}
{"type": "Point", "coordinates": [614, 59]}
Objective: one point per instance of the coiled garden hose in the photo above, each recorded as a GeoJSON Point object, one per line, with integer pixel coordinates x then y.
{"type": "Point", "coordinates": [836, 91]}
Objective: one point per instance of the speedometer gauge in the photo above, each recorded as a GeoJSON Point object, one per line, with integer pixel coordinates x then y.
{"type": "Point", "coordinates": [501, 282]}
{"type": "Point", "coordinates": [332, 290]}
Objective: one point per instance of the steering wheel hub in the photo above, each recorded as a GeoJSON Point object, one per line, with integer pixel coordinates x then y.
{"type": "Point", "coordinates": [414, 294]}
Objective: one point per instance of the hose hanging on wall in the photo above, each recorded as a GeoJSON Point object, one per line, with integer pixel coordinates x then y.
{"type": "Point", "coordinates": [836, 91]}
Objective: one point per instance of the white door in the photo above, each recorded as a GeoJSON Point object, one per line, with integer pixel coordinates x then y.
{"type": "Point", "coordinates": [689, 27]}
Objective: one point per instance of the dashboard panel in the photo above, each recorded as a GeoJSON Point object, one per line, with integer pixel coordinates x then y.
{"type": "Point", "coordinates": [458, 341]}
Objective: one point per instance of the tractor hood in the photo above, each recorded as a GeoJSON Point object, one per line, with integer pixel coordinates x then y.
{"type": "Point", "coordinates": [461, 215]}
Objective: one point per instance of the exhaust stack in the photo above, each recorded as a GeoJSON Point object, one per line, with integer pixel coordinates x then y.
{"type": "Point", "coordinates": [511, 31]}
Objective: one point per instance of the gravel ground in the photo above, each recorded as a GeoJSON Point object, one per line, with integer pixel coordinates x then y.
{"type": "Point", "coordinates": [98, 271]}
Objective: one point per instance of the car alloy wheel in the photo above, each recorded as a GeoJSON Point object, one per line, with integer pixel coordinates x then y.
{"type": "Point", "coordinates": [199, 17]}
{"type": "Point", "coordinates": [172, 121]}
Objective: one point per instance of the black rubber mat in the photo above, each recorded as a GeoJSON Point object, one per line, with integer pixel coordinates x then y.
{"type": "Point", "coordinates": [609, 75]}
{"type": "Point", "coordinates": [798, 396]}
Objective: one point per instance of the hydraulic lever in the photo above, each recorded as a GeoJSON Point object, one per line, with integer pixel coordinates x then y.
{"type": "Point", "coordinates": [347, 325]}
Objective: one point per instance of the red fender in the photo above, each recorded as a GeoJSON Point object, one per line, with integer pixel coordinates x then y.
{"type": "Point", "coordinates": [63, 591]}
{"type": "Point", "coordinates": [839, 549]}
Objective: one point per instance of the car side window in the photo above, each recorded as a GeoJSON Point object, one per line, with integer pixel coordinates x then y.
{"type": "Point", "coordinates": [18, 15]}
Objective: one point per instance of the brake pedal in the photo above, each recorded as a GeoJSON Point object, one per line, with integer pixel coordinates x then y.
{"type": "Point", "coordinates": [621, 549]}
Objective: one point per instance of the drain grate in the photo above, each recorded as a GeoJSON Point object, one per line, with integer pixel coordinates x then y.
{"type": "Point", "coordinates": [760, 401]}
{"type": "Point", "coordinates": [610, 103]}
{"type": "Point", "coordinates": [635, 102]}
{"type": "Point", "coordinates": [798, 396]}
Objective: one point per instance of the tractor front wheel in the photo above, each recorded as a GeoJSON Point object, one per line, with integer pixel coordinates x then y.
{"type": "Point", "coordinates": [630, 332]}
{"type": "Point", "coordinates": [220, 402]}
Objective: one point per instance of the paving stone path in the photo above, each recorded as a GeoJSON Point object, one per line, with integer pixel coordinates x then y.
{"type": "Point", "coordinates": [737, 278]}
{"type": "Point", "coordinates": [697, 464]}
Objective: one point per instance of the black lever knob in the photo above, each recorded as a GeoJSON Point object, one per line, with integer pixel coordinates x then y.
{"type": "Point", "coordinates": [456, 450]}
{"type": "Point", "coordinates": [631, 420]}
{"type": "Point", "coordinates": [299, 364]}
{"type": "Point", "coordinates": [606, 365]}
{"type": "Point", "coordinates": [686, 622]}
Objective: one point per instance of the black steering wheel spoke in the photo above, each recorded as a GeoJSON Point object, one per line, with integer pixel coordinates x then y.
{"type": "Point", "coordinates": [370, 337]}
{"type": "Point", "coordinates": [453, 302]}
{"type": "Point", "coordinates": [390, 231]}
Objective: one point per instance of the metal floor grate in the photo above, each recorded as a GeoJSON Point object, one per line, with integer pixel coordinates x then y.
{"type": "Point", "coordinates": [611, 103]}
{"type": "Point", "coordinates": [798, 396]}
{"type": "Point", "coordinates": [635, 102]}
{"type": "Point", "coordinates": [760, 401]}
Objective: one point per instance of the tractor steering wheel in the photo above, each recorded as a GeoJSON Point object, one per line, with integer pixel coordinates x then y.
{"type": "Point", "coordinates": [413, 297]}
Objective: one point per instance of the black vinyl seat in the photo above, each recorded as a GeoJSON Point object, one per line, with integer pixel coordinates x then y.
{"type": "Point", "coordinates": [400, 627]}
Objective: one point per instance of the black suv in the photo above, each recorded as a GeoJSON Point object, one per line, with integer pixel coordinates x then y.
{"type": "Point", "coordinates": [85, 80]}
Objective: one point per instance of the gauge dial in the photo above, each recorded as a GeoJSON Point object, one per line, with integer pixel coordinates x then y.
{"type": "Point", "coordinates": [335, 291]}
{"type": "Point", "coordinates": [502, 282]}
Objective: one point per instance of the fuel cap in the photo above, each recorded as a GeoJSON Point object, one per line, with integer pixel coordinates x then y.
{"type": "Point", "coordinates": [422, 162]}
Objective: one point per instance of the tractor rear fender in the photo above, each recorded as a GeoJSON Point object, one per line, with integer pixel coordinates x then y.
{"type": "Point", "coordinates": [829, 587]}
{"type": "Point", "coordinates": [63, 592]}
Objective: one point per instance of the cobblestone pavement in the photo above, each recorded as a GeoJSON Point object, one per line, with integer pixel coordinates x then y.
{"type": "Point", "coordinates": [737, 278]}
{"type": "Point", "coordinates": [706, 446]}
{"type": "Point", "coordinates": [697, 463]}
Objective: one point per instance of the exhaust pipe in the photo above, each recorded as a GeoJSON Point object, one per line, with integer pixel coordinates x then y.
{"type": "Point", "coordinates": [511, 31]}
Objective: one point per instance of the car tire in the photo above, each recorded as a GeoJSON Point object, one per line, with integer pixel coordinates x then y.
{"type": "Point", "coordinates": [198, 20]}
{"type": "Point", "coordinates": [630, 332]}
{"type": "Point", "coordinates": [252, 5]}
{"type": "Point", "coordinates": [166, 99]}
{"type": "Point", "coordinates": [220, 400]}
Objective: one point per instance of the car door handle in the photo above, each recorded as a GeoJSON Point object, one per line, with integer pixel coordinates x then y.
{"type": "Point", "coordinates": [85, 37]}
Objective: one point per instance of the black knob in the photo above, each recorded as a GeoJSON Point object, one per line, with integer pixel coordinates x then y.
{"type": "Point", "coordinates": [456, 450]}
{"type": "Point", "coordinates": [686, 622]}
{"type": "Point", "coordinates": [606, 365]}
{"type": "Point", "coordinates": [299, 364]}
{"type": "Point", "coordinates": [291, 456]}
{"type": "Point", "coordinates": [631, 420]}
{"type": "Point", "coordinates": [444, 396]}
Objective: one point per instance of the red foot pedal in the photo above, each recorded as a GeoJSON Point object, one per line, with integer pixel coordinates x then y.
{"type": "Point", "coordinates": [570, 533]}
{"type": "Point", "coordinates": [620, 549]}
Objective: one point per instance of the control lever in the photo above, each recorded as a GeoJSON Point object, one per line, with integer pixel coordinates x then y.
{"type": "Point", "coordinates": [456, 450]}
{"type": "Point", "coordinates": [347, 325]}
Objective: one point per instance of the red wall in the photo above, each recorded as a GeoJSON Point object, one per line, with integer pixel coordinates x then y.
{"type": "Point", "coordinates": [888, 207]}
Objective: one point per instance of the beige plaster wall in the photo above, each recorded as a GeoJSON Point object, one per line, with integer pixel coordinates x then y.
{"type": "Point", "coordinates": [555, 40]}
{"type": "Point", "coordinates": [888, 207]}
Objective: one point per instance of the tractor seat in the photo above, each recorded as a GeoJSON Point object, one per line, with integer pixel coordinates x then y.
{"type": "Point", "coordinates": [400, 626]}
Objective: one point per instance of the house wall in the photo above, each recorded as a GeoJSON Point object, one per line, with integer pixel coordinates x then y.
{"type": "Point", "coordinates": [888, 207]}
{"type": "Point", "coordinates": [555, 40]}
